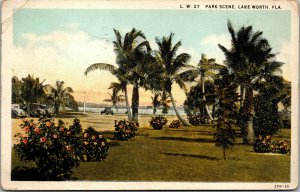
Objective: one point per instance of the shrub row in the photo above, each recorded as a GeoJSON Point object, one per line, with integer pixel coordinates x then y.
{"type": "Point", "coordinates": [267, 145]}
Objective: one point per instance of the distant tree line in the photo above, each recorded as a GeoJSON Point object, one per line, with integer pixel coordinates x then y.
{"type": "Point", "coordinates": [30, 90]}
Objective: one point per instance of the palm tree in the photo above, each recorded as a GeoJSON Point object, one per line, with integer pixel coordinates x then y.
{"type": "Point", "coordinates": [173, 68]}
{"type": "Point", "coordinates": [207, 68]}
{"type": "Point", "coordinates": [165, 102]}
{"type": "Point", "coordinates": [115, 97]}
{"type": "Point", "coordinates": [60, 95]}
{"type": "Point", "coordinates": [123, 50]}
{"type": "Point", "coordinates": [246, 59]}
{"type": "Point", "coordinates": [155, 102]}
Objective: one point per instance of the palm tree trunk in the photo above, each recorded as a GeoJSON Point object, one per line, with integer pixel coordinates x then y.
{"type": "Point", "coordinates": [203, 96]}
{"type": "Point", "coordinates": [127, 104]}
{"type": "Point", "coordinates": [249, 136]}
{"type": "Point", "coordinates": [183, 121]}
{"type": "Point", "coordinates": [135, 103]}
{"type": "Point", "coordinates": [242, 95]}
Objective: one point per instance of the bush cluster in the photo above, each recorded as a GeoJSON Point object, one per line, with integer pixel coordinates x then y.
{"type": "Point", "coordinates": [267, 145]}
{"type": "Point", "coordinates": [53, 147]}
{"type": "Point", "coordinates": [125, 130]}
{"type": "Point", "coordinates": [95, 145]}
{"type": "Point", "coordinates": [175, 124]}
{"type": "Point", "coordinates": [198, 119]}
{"type": "Point", "coordinates": [158, 122]}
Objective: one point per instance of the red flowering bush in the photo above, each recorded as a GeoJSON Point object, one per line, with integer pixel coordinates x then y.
{"type": "Point", "coordinates": [56, 149]}
{"type": "Point", "coordinates": [198, 119]}
{"type": "Point", "coordinates": [95, 145]}
{"type": "Point", "coordinates": [51, 146]}
{"type": "Point", "coordinates": [266, 145]}
{"type": "Point", "coordinates": [125, 130]}
{"type": "Point", "coordinates": [158, 122]}
{"type": "Point", "coordinates": [175, 124]}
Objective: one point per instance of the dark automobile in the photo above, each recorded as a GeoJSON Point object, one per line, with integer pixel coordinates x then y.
{"type": "Point", "coordinates": [38, 110]}
{"type": "Point", "coordinates": [107, 110]}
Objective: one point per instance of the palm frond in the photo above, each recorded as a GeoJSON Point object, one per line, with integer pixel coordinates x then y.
{"type": "Point", "coordinates": [100, 66]}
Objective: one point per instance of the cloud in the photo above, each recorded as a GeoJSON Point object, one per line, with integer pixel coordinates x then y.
{"type": "Point", "coordinates": [209, 46]}
{"type": "Point", "coordinates": [214, 40]}
{"type": "Point", "coordinates": [61, 55]}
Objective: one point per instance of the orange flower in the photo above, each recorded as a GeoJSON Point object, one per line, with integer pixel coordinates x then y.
{"type": "Point", "coordinates": [48, 123]}
{"type": "Point", "coordinates": [25, 141]}
{"type": "Point", "coordinates": [26, 129]}
{"type": "Point", "coordinates": [85, 135]}
{"type": "Point", "coordinates": [86, 143]}
{"type": "Point", "coordinates": [43, 139]}
{"type": "Point", "coordinates": [61, 129]}
{"type": "Point", "coordinates": [121, 126]}
{"type": "Point", "coordinates": [37, 130]}
{"type": "Point", "coordinates": [69, 148]}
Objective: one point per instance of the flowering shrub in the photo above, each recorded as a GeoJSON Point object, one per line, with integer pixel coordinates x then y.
{"type": "Point", "coordinates": [56, 149]}
{"type": "Point", "coordinates": [158, 122]}
{"type": "Point", "coordinates": [266, 145]}
{"type": "Point", "coordinates": [175, 124]}
{"type": "Point", "coordinates": [51, 146]}
{"type": "Point", "coordinates": [198, 119]}
{"type": "Point", "coordinates": [95, 145]}
{"type": "Point", "coordinates": [125, 130]}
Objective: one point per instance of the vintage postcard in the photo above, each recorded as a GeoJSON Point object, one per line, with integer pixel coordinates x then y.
{"type": "Point", "coordinates": [149, 95]}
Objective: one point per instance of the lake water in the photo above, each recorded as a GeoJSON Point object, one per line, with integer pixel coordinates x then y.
{"type": "Point", "coordinates": [142, 111]}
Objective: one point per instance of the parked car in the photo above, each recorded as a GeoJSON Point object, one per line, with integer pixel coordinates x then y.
{"type": "Point", "coordinates": [16, 111]}
{"type": "Point", "coordinates": [37, 110]}
{"type": "Point", "coordinates": [107, 110]}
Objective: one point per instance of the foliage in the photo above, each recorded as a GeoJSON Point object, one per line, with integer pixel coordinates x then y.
{"type": "Point", "coordinates": [264, 144]}
{"type": "Point", "coordinates": [16, 90]}
{"type": "Point", "coordinates": [266, 119]}
{"type": "Point", "coordinates": [175, 124]}
{"type": "Point", "coordinates": [158, 122]}
{"type": "Point", "coordinates": [174, 68]}
{"type": "Point", "coordinates": [95, 145]}
{"type": "Point", "coordinates": [252, 62]}
{"type": "Point", "coordinates": [198, 119]}
{"type": "Point", "coordinates": [56, 149]}
{"type": "Point", "coordinates": [51, 146]}
{"type": "Point", "coordinates": [61, 95]}
{"type": "Point", "coordinates": [125, 130]}
{"type": "Point", "coordinates": [195, 103]}
{"type": "Point", "coordinates": [224, 135]}
{"type": "Point", "coordinates": [226, 110]}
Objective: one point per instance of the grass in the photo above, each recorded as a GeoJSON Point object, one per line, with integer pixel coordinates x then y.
{"type": "Point", "coordinates": [185, 154]}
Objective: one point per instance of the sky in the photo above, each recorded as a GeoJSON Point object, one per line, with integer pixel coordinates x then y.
{"type": "Point", "coordinates": [59, 44]}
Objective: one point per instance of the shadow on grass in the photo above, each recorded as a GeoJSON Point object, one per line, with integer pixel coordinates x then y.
{"type": "Point", "coordinates": [204, 140]}
{"type": "Point", "coordinates": [71, 115]}
{"type": "Point", "coordinates": [30, 174]}
{"type": "Point", "coordinates": [192, 155]}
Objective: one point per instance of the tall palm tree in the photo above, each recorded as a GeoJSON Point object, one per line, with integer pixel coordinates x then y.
{"type": "Point", "coordinates": [173, 68]}
{"type": "Point", "coordinates": [123, 48]}
{"type": "Point", "coordinates": [247, 58]}
{"type": "Point", "coordinates": [60, 95]}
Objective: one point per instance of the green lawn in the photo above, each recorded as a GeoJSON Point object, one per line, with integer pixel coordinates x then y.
{"type": "Point", "coordinates": [185, 154]}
